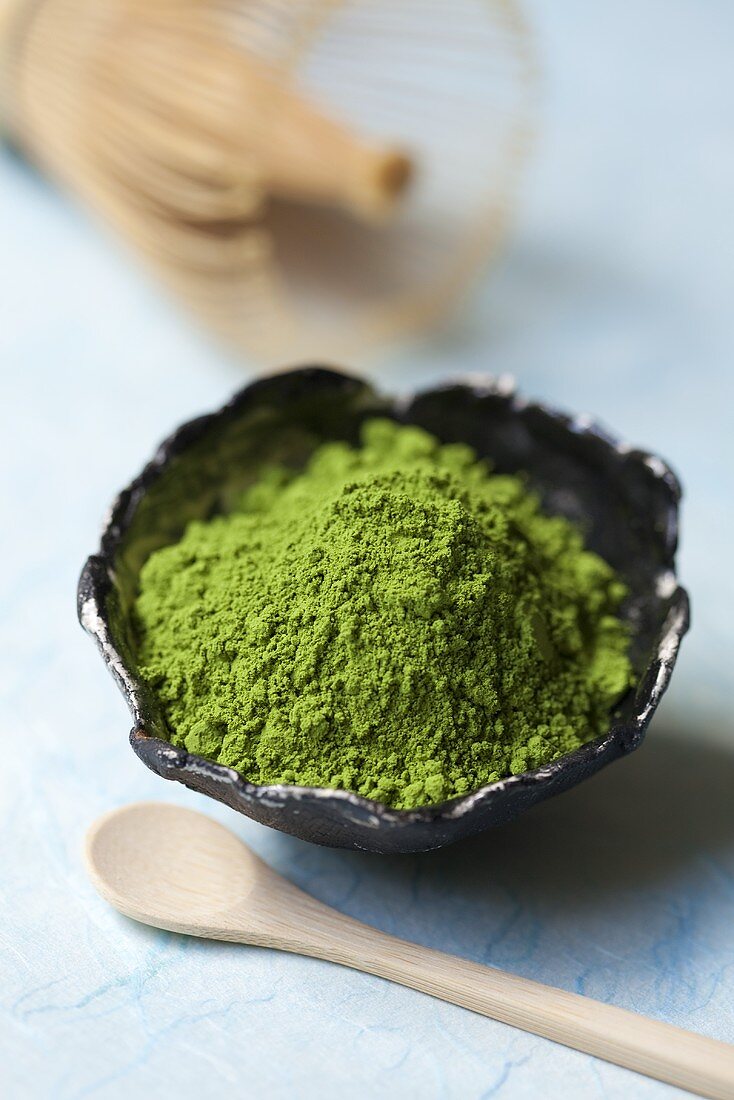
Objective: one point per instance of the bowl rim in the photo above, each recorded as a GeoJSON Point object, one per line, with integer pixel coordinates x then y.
{"type": "Point", "coordinates": [171, 761]}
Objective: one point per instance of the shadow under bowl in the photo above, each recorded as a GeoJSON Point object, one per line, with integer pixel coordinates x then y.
{"type": "Point", "coordinates": [625, 500]}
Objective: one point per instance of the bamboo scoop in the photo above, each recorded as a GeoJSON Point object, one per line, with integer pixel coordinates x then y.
{"type": "Point", "coordinates": [176, 869]}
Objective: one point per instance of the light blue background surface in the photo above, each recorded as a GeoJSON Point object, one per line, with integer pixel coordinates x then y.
{"type": "Point", "coordinates": [615, 297]}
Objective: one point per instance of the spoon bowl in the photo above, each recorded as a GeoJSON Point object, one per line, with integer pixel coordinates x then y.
{"type": "Point", "coordinates": [177, 869]}
{"type": "Point", "coordinates": [152, 861]}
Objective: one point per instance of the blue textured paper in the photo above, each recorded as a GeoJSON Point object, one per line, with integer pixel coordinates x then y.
{"type": "Point", "coordinates": [615, 297]}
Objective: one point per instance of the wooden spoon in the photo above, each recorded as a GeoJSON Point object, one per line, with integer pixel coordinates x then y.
{"type": "Point", "coordinates": [176, 869]}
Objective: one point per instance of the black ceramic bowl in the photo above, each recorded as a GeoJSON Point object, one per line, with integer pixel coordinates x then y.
{"type": "Point", "coordinates": [625, 500]}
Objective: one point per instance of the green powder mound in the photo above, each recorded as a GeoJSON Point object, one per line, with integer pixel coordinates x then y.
{"type": "Point", "coordinates": [393, 620]}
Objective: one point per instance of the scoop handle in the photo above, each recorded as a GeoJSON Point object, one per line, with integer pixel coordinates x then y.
{"type": "Point", "coordinates": [662, 1051]}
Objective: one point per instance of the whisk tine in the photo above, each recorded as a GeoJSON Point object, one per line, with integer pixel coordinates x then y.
{"type": "Point", "coordinates": [178, 120]}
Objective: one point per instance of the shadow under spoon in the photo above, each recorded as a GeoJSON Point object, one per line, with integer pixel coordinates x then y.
{"type": "Point", "coordinates": [176, 869]}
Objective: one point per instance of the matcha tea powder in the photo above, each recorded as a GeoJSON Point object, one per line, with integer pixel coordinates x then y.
{"type": "Point", "coordinates": [394, 620]}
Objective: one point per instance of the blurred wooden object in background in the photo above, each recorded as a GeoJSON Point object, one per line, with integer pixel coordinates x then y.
{"type": "Point", "coordinates": [310, 177]}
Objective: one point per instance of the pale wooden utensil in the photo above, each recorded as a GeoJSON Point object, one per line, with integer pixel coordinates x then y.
{"type": "Point", "coordinates": [256, 153]}
{"type": "Point", "coordinates": [176, 869]}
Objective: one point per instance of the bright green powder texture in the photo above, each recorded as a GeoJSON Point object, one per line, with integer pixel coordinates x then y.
{"type": "Point", "coordinates": [394, 620]}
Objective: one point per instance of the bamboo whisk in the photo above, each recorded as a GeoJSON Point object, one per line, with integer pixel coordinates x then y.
{"type": "Point", "coordinates": [259, 153]}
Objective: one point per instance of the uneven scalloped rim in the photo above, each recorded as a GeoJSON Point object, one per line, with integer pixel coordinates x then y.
{"type": "Point", "coordinates": [176, 763]}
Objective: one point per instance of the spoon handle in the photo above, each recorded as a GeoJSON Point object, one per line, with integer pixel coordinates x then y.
{"type": "Point", "coordinates": [667, 1053]}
